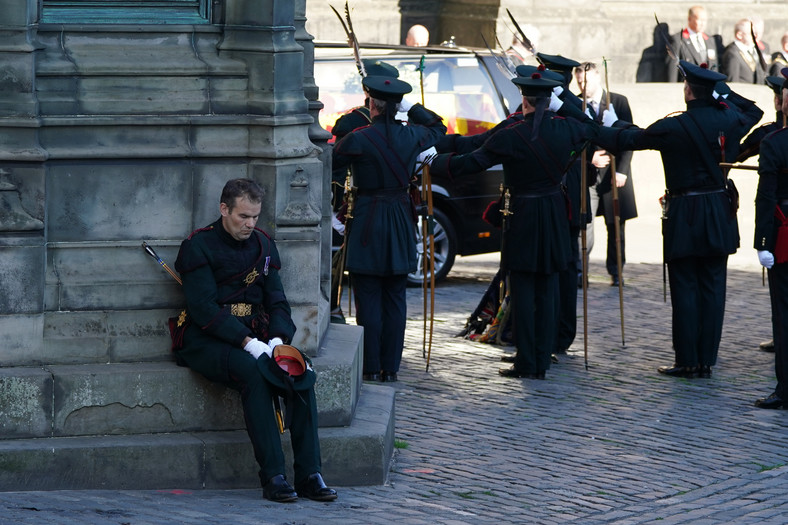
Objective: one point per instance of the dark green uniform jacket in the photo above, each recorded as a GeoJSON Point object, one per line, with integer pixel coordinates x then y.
{"type": "Point", "coordinates": [772, 188]}
{"type": "Point", "coordinates": [751, 146]}
{"type": "Point", "coordinates": [537, 238]}
{"type": "Point", "coordinates": [700, 221]}
{"type": "Point", "coordinates": [382, 236]}
{"type": "Point", "coordinates": [219, 271]}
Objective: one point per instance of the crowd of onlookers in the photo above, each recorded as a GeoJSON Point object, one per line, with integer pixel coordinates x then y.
{"type": "Point", "coordinates": [746, 59]}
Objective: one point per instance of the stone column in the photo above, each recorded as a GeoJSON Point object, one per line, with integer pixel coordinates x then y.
{"type": "Point", "coordinates": [22, 240]}
{"type": "Point", "coordinates": [262, 35]}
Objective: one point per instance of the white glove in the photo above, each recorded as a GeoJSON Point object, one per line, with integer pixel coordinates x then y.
{"type": "Point", "coordinates": [426, 155]}
{"type": "Point", "coordinates": [766, 258]}
{"type": "Point", "coordinates": [588, 113]}
{"type": "Point", "coordinates": [609, 117]}
{"type": "Point", "coordinates": [273, 343]}
{"type": "Point", "coordinates": [555, 102]}
{"type": "Point", "coordinates": [337, 225]}
{"type": "Point", "coordinates": [405, 105]}
{"type": "Point", "coordinates": [258, 348]}
{"type": "Point", "coordinates": [717, 95]}
{"type": "Point", "coordinates": [558, 90]}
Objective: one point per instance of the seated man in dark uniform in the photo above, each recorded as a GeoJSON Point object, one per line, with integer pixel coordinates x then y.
{"type": "Point", "coordinates": [236, 315]}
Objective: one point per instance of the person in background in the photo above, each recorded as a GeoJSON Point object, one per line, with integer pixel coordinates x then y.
{"type": "Point", "coordinates": [694, 46]}
{"type": "Point", "coordinates": [780, 58]}
{"type": "Point", "coordinates": [418, 36]}
{"type": "Point", "coordinates": [740, 60]}
{"type": "Point", "coordinates": [601, 203]}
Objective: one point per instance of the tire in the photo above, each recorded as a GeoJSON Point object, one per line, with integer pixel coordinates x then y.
{"type": "Point", "coordinates": [445, 249]}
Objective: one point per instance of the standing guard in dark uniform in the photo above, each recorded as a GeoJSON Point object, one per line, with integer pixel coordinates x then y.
{"type": "Point", "coordinates": [771, 241]}
{"type": "Point", "coordinates": [568, 279]}
{"type": "Point", "coordinates": [751, 146]}
{"type": "Point", "coordinates": [236, 318]}
{"type": "Point", "coordinates": [700, 229]}
{"type": "Point", "coordinates": [382, 240]}
{"type": "Point", "coordinates": [534, 152]}
{"type": "Point", "coordinates": [357, 117]}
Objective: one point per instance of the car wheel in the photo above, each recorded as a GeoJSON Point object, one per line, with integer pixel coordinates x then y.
{"type": "Point", "coordinates": [445, 250]}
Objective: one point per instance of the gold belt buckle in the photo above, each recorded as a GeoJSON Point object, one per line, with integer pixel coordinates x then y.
{"type": "Point", "coordinates": [241, 309]}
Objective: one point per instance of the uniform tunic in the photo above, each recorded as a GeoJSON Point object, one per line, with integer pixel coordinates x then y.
{"type": "Point", "coordinates": [773, 191]}
{"type": "Point", "coordinates": [700, 230]}
{"type": "Point", "coordinates": [537, 243]}
{"type": "Point", "coordinates": [381, 240]}
{"type": "Point", "coordinates": [219, 271]}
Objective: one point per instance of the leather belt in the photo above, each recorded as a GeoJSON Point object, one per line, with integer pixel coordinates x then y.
{"type": "Point", "coordinates": [240, 309]}
{"type": "Point", "coordinates": [692, 193]}
{"type": "Point", "coordinates": [535, 194]}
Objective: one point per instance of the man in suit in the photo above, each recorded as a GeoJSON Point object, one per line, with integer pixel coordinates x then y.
{"type": "Point", "coordinates": [780, 58]}
{"type": "Point", "coordinates": [601, 202]}
{"type": "Point", "coordinates": [740, 60]}
{"type": "Point", "coordinates": [693, 45]}
{"type": "Point", "coordinates": [700, 229]}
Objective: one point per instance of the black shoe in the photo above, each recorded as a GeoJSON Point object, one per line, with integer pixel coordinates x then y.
{"type": "Point", "coordinates": [554, 358]}
{"type": "Point", "coordinates": [678, 371]}
{"type": "Point", "coordinates": [371, 377]}
{"type": "Point", "coordinates": [614, 280]}
{"type": "Point", "coordinates": [508, 358]}
{"type": "Point", "coordinates": [279, 490]}
{"type": "Point", "coordinates": [513, 372]}
{"type": "Point", "coordinates": [704, 371]}
{"type": "Point", "coordinates": [314, 488]}
{"type": "Point", "coordinates": [767, 346]}
{"type": "Point", "coordinates": [773, 401]}
{"type": "Point", "coordinates": [388, 377]}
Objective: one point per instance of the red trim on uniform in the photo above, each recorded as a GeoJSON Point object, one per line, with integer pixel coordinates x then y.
{"type": "Point", "coordinates": [207, 228]}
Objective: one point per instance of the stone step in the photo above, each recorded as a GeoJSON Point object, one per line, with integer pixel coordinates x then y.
{"type": "Point", "coordinates": [358, 454]}
{"type": "Point", "coordinates": [158, 397]}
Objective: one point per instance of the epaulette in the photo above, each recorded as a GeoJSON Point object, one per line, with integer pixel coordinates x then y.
{"type": "Point", "coordinates": [557, 117]}
{"type": "Point", "coordinates": [207, 228]}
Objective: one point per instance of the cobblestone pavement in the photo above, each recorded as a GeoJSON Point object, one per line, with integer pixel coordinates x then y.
{"type": "Point", "coordinates": [614, 443]}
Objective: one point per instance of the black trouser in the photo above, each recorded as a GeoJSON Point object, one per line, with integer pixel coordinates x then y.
{"type": "Point", "coordinates": [611, 261]}
{"type": "Point", "coordinates": [535, 322]}
{"type": "Point", "coordinates": [257, 401]}
{"type": "Point", "coordinates": [778, 293]}
{"type": "Point", "coordinates": [381, 308]}
{"type": "Point", "coordinates": [697, 292]}
{"type": "Point", "coordinates": [567, 302]}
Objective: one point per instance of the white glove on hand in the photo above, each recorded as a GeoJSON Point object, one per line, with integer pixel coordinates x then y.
{"type": "Point", "coordinates": [766, 258]}
{"type": "Point", "coordinates": [258, 348]}
{"type": "Point", "coordinates": [337, 225]}
{"type": "Point", "coordinates": [555, 102]}
{"type": "Point", "coordinates": [426, 156]}
{"type": "Point", "coordinates": [405, 105]}
{"type": "Point", "coordinates": [273, 343]}
{"type": "Point", "coordinates": [558, 90]}
{"type": "Point", "coordinates": [609, 117]}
